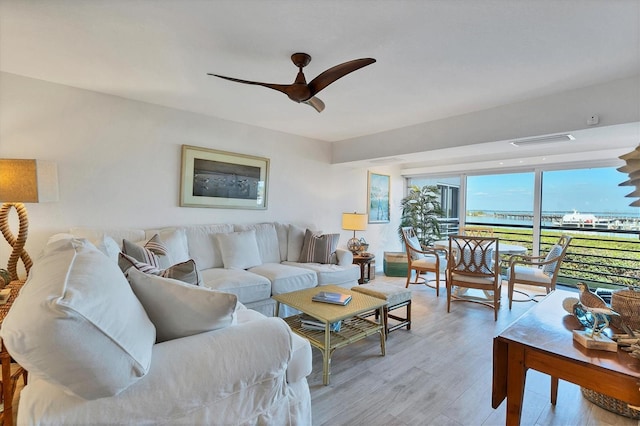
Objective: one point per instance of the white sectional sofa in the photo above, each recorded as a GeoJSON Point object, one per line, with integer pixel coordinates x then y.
{"type": "Point", "coordinates": [104, 349]}
{"type": "Point", "coordinates": [230, 267]}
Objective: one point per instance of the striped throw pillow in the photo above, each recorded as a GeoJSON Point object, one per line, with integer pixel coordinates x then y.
{"type": "Point", "coordinates": [319, 248]}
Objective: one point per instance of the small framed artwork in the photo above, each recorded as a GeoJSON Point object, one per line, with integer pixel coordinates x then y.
{"type": "Point", "coordinates": [378, 197]}
{"type": "Point", "coordinates": [220, 179]}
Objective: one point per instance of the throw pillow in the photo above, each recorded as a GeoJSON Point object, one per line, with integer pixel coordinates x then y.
{"type": "Point", "coordinates": [149, 253]}
{"type": "Point", "coordinates": [414, 243]}
{"type": "Point", "coordinates": [78, 324]}
{"type": "Point", "coordinates": [319, 248]}
{"type": "Point", "coordinates": [555, 251]}
{"type": "Point", "coordinates": [178, 309]}
{"type": "Point", "coordinates": [183, 271]}
{"type": "Point", "coordinates": [239, 249]}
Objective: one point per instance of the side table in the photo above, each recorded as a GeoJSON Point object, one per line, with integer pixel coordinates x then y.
{"type": "Point", "coordinates": [9, 380]}
{"type": "Point", "coordinates": [364, 261]}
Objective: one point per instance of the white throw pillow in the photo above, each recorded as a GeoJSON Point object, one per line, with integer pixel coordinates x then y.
{"type": "Point", "coordinates": [267, 239]}
{"type": "Point", "coordinates": [78, 324]}
{"type": "Point", "coordinates": [178, 309]}
{"type": "Point", "coordinates": [239, 250]}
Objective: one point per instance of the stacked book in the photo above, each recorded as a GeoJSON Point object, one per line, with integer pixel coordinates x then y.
{"type": "Point", "coordinates": [310, 323]}
{"type": "Point", "coordinates": [331, 297]}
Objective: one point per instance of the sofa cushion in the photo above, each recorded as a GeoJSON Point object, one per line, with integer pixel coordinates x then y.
{"type": "Point", "coordinates": [178, 309]}
{"type": "Point", "coordinates": [239, 249]}
{"type": "Point", "coordinates": [295, 239]}
{"type": "Point", "coordinates": [286, 278]}
{"type": "Point", "coordinates": [203, 247]}
{"type": "Point", "coordinates": [267, 239]}
{"type": "Point", "coordinates": [282, 229]}
{"type": "Point", "coordinates": [247, 286]}
{"type": "Point", "coordinates": [319, 248]}
{"type": "Point", "coordinates": [78, 324]}
{"type": "Point", "coordinates": [184, 271]}
{"type": "Point", "coordinates": [331, 273]}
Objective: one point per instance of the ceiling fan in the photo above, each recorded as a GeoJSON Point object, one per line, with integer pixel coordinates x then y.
{"type": "Point", "coordinates": [300, 90]}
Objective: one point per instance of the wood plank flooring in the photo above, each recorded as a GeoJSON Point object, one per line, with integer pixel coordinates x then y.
{"type": "Point", "coordinates": [438, 373]}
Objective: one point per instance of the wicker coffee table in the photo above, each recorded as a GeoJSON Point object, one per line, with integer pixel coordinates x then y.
{"type": "Point", "coordinates": [353, 327]}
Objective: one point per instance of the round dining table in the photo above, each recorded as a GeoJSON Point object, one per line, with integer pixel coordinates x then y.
{"type": "Point", "coordinates": [503, 248]}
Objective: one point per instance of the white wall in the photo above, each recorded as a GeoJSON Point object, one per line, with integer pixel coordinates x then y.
{"type": "Point", "coordinates": [119, 165]}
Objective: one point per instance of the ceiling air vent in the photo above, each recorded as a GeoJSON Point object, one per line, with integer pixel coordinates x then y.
{"type": "Point", "coordinates": [539, 140]}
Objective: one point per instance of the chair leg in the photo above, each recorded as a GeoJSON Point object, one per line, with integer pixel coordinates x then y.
{"type": "Point", "coordinates": [448, 297]}
{"type": "Point", "coordinates": [510, 292]}
{"type": "Point", "coordinates": [408, 278]}
{"type": "Point", "coordinates": [437, 283]}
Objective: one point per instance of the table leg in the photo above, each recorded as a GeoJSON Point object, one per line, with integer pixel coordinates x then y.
{"type": "Point", "coordinates": [361, 280]}
{"type": "Point", "coordinates": [516, 377]}
{"type": "Point", "coordinates": [7, 394]}
{"type": "Point", "coordinates": [554, 390]}
{"type": "Point", "coordinates": [383, 339]}
{"type": "Point", "coordinates": [326, 355]}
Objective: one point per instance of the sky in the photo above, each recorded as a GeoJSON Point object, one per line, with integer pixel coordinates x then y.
{"type": "Point", "coordinates": [584, 190]}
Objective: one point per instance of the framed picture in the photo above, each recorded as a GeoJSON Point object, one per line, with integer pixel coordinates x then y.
{"type": "Point", "coordinates": [378, 198]}
{"type": "Point", "coordinates": [220, 179]}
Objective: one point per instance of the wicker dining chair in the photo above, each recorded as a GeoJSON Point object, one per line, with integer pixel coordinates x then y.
{"type": "Point", "coordinates": [421, 260]}
{"type": "Point", "coordinates": [540, 271]}
{"type": "Point", "coordinates": [473, 264]}
{"type": "Point", "coordinates": [475, 231]}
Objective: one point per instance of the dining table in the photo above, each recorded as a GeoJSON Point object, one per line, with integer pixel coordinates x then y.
{"type": "Point", "coordinates": [503, 247]}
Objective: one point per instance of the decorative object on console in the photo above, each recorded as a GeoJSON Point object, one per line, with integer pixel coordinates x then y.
{"type": "Point", "coordinates": [5, 278]}
{"type": "Point", "coordinates": [633, 169]}
{"type": "Point", "coordinates": [212, 178]}
{"type": "Point", "coordinates": [594, 311]}
{"type": "Point", "coordinates": [378, 196]}
{"type": "Point", "coordinates": [354, 222]}
{"type": "Point", "coordinates": [23, 181]}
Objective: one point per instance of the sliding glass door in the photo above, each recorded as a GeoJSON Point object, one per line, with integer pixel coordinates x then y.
{"type": "Point", "coordinates": [535, 207]}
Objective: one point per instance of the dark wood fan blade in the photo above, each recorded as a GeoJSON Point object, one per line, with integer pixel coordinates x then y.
{"type": "Point", "coordinates": [316, 103]}
{"type": "Point", "coordinates": [334, 73]}
{"type": "Point", "coordinates": [284, 88]}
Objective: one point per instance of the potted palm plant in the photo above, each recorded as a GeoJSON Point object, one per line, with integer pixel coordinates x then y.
{"type": "Point", "coordinates": [421, 209]}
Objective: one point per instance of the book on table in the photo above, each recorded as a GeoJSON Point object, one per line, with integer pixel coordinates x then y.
{"type": "Point", "coordinates": [332, 297]}
{"type": "Point", "coordinates": [310, 323]}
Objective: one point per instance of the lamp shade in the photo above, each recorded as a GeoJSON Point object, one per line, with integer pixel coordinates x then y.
{"type": "Point", "coordinates": [632, 168]}
{"type": "Point", "coordinates": [28, 181]}
{"type": "Point", "coordinates": [354, 221]}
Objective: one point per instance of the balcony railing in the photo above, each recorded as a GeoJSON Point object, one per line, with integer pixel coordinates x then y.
{"type": "Point", "coordinates": [601, 258]}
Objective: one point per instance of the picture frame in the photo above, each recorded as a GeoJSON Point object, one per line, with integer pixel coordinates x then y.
{"type": "Point", "coordinates": [378, 197]}
{"type": "Point", "coordinates": [221, 179]}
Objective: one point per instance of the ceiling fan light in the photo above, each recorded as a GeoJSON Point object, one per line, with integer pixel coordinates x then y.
{"type": "Point", "coordinates": [539, 140]}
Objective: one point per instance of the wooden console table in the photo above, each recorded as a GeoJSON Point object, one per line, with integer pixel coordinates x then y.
{"type": "Point", "coordinates": [542, 340]}
{"type": "Point", "coordinates": [9, 380]}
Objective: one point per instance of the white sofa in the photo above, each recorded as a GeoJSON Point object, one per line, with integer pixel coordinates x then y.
{"type": "Point", "coordinates": [88, 336]}
{"type": "Point", "coordinates": [278, 268]}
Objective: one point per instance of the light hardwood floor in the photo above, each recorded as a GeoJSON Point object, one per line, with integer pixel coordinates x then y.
{"type": "Point", "coordinates": [438, 373]}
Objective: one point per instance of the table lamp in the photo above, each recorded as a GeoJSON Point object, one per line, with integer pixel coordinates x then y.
{"type": "Point", "coordinates": [354, 222]}
{"type": "Point", "coordinates": [23, 181]}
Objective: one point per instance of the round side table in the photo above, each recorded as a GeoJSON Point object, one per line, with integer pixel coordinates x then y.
{"type": "Point", "coordinates": [364, 261]}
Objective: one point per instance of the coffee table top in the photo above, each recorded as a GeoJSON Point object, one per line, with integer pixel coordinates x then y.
{"type": "Point", "coordinates": [301, 300]}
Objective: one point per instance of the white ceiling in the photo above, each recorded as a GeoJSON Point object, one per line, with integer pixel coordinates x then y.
{"type": "Point", "coordinates": [435, 59]}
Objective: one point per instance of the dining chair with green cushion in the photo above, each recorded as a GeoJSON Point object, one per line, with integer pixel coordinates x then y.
{"type": "Point", "coordinates": [473, 264]}
{"type": "Point", "coordinates": [422, 260]}
{"type": "Point", "coordinates": [540, 271]}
